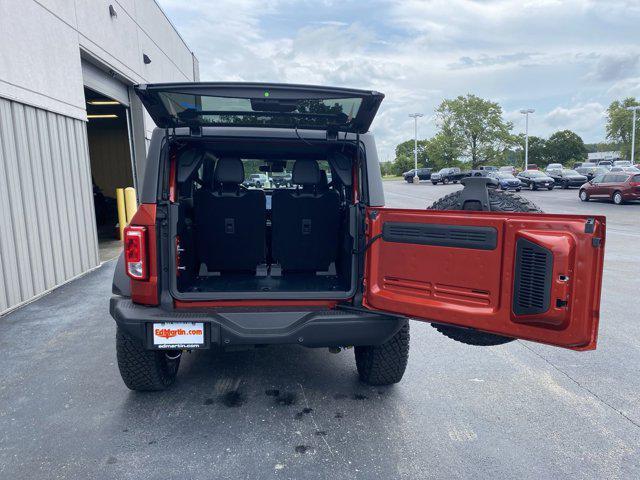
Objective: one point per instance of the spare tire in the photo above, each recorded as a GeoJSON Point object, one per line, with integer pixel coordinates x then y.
{"type": "Point", "coordinates": [499, 201]}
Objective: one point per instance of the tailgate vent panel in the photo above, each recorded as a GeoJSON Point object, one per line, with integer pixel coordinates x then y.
{"type": "Point", "coordinates": [459, 236]}
{"type": "Point", "coordinates": [532, 282]}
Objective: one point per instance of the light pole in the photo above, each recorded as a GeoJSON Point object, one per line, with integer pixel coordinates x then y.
{"type": "Point", "coordinates": [526, 113]}
{"type": "Point", "coordinates": [415, 116]}
{"type": "Point", "coordinates": [633, 133]}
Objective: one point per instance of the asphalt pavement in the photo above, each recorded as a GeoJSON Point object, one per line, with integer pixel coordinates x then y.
{"type": "Point", "coordinates": [519, 410]}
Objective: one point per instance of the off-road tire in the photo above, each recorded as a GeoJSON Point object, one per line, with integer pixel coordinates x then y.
{"type": "Point", "coordinates": [499, 201]}
{"type": "Point", "coordinates": [384, 364]}
{"type": "Point", "coordinates": [143, 370]}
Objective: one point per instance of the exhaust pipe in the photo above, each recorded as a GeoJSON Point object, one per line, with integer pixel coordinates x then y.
{"type": "Point", "coordinates": [174, 355]}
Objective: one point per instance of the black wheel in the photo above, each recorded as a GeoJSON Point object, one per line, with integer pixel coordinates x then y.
{"type": "Point", "coordinates": [409, 179]}
{"type": "Point", "coordinates": [435, 183]}
{"type": "Point", "coordinates": [532, 186]}
{"type": "Point", "coordinates": [518, 189]}
{"type": "Point", "coordinates": [384, 364]}
{"type": "Point", "coordinates": [584, 196]}
{"type": "Point", "coordinates": [455, 181]}
{"type": "Point", "coordinates": [499, 201]}
{"type": "Point", "coordinates": [258, 185]}
{"type": "Point", "coordinates": [617, 198]}
{"type": "Point", "coordinates": [565, 185]}
{"type": "Point", "coordinates": [550, 188]}
{"type": "Point", "coordinates": [145, 370]}
{"type": "Point", "coordinates": [445, 181]}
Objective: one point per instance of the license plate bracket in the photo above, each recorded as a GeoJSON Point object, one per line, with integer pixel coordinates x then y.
{"type": "Point", "coordinates": [177, 335]}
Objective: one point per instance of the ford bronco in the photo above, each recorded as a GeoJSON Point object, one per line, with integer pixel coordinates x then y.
{"type": "Point", "coordinates": [209, 262]}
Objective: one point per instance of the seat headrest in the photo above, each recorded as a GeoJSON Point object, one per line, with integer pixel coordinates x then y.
{"type": "Point", "coordinates": [305, 172]}
{"type": "Point", "coordinates": [229, 170]}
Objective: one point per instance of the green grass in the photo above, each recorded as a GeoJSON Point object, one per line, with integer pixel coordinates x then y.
{"type": "Point", "coordinates": [392, 177]}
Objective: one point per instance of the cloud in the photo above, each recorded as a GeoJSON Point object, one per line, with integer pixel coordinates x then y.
{"type": "Point", "coordinates": [486, 60]}
{"type": "Point", "coordinates": [615, 67]}
{"type": "Point", "coordinates": [562, 58]}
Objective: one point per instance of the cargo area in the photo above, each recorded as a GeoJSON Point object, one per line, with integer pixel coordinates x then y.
{"type": "Point", "coordinates": [262, 219]}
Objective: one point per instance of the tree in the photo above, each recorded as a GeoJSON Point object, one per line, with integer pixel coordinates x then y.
{"type": "Point", "coordinates": [565, 146]}
{"type": "Point", "coordinates": [619, 121]}
{"type": "Point", "coordinates": [537, 150]}
{"type": "Point", "coordinates": [478, 125]}
{"type": "Point", "coordinates": [443, 150]}
{"type": "Point", "coordinates": [404, 160]}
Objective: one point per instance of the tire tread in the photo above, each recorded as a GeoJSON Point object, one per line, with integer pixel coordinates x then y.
{"type": "Point", "coordinates": [384, 364]}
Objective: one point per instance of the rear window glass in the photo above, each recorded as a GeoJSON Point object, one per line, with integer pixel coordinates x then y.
{"type": "Point", "coordinates": [308, 113]}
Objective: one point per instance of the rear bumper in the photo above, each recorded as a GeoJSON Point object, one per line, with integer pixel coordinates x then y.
{"type": "Point", "coordinates": [237, 326]}
{"type": "Point", "coordinates": [630, 195]}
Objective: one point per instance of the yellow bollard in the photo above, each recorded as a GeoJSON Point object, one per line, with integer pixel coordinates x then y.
{"type": "Point", "coordinates": [130, 203]}
{"type": "Point", "coordinates": [122, 216]}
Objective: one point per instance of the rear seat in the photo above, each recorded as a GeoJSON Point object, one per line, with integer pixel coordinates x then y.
{"type": "Point", "coordinates": [230, 221]}
{"type": "Point", "coordinates": [305, 222]}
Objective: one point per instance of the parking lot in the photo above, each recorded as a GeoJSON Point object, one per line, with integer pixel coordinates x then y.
{"type": "Point", "coordinates": [518, 410]}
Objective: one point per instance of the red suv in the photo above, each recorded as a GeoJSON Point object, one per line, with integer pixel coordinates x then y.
{"type": "Point", "coordinates": [212, 262]}
{"type": "Point", "coordinates": [618, 187]}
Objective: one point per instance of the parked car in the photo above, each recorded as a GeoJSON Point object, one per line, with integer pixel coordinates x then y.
{"type": "Point", "coordinates": [448, 174]}
{"type": "Point", "coordinates": [257, 180]}
{"type": "Point", "coordinates": [506, 181]}
{"type": "Point", "coordinates": [532, 166]}
{"type": "Point", "coordinates": [209, 263]}
{"type": "Point", "coordinates": [605, 164]}
{"type": "Point", "coordinates": [554, 166]}
{"type": "Point", "coordinates": [423, 174]}
{"type": "Point", "coordinates": [488, 168]}
{"type": "Point", "coordinates": [535, 179]}
{"type": "Point", "coordinates": [622, 163]}
{"type": "Point", "coordinates": [625, 169]}
{"type": "Point", "coordinates": [590, 170]}
{"type": "Point", "coordinates": [508, 169]}
{"type": "Point", "coordinates": [281, 179]}
{"type": "Point", "coordinates": [567, 178]}
{"type": "Point", "coordinates": [618, 187]}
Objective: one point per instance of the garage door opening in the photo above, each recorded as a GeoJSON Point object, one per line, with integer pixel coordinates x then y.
{"type": "Point", "coordinates": [111, 165]}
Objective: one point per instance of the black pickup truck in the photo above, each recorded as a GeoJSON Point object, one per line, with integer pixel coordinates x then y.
{"type": "Point", "coordinates": [448, 174]}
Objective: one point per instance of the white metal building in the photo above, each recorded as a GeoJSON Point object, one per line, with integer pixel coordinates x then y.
{"type": "Point", "coordinates": [71, 126]}
{"type": "Point", "coordinates": [597, 156]}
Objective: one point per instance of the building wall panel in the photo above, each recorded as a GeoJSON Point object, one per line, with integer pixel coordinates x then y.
{"type": "Point", "coordinates": [47, 225]}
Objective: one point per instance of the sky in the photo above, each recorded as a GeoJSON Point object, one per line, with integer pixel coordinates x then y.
{"type": "Point", "coordinates": [567, 59]}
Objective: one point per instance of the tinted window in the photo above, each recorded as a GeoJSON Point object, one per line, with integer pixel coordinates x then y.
{"type": "Point", "coordinates": [609, 178]}
{"type": "Point", "coordinates": [598, 178]}
{"type": "Point", "coordinates": [621, 178]}
{"type": "Point", "coordinates": [570, 172]}
{"type": "Point", "coordinates": [636, 178]}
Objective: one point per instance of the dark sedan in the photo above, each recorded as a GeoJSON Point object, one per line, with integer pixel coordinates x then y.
{"type": "Point", "coordinates": [535, 179]}
{"type": "Point", "coordinates": [506, 181]}
{"type": "Point", "coordinates": [590, 170]}
{"type": "Point", "coordinates": [567, 178]}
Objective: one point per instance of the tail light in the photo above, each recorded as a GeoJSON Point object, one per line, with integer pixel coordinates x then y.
{"type": "Point", "coordinates": [135, 252]}
{"type": "Point", "coordinates": [634, 184]}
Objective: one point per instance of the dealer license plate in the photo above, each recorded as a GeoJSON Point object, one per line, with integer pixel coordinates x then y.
{"type": "Point", "coordinates": [178, 335]}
